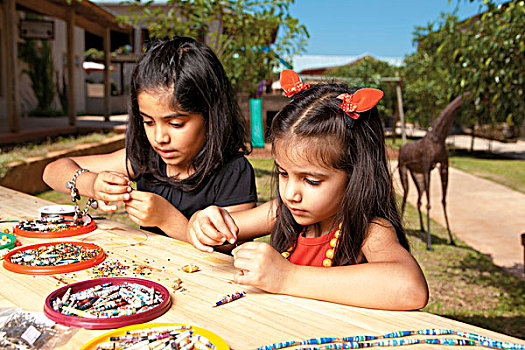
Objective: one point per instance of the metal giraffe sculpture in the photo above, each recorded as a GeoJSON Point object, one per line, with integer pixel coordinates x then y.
{"type": "Point", "coordinates": [421, 156]}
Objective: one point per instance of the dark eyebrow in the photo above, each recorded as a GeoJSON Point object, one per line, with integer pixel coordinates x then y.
{"type": "Point", "coordinates": [304, 173]}
{"type": "Point", "coordinates": [171, 116]}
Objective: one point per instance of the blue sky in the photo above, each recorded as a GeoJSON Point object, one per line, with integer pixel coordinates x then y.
{"type": "Point", "coordinates": [379, 27]}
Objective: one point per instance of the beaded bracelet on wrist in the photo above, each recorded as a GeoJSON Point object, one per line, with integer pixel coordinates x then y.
{"type": "Point", "coordinates": [75, 196]}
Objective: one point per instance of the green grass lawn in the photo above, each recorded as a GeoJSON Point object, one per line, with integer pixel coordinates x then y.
{"type": "Point", "coordinates": [464, 284]}
{"type": "Point", "coordinates": [508, 172]}
{"type": "Point", "coordinates": [10, 154]}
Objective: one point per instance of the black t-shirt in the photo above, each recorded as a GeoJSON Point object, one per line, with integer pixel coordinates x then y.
{"type": "Point", "coordinates": [233, 184]}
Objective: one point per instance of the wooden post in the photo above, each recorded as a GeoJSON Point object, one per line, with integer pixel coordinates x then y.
{"type": "Point", "coordinates": [71, 107]}
{"type": "Point", "coordinates": [13, 99]}
{"type": "Point", "coordinates": [401, 113]}
{"type": "Point", "coordinates": [107, 76]}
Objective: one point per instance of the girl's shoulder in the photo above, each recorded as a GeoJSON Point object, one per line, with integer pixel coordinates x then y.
{"type": "Point", "coordinates": [235, 165]}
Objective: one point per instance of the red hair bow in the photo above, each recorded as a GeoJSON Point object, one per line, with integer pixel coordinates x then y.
{"type": "Point", "coordinates": [362, 100]}
{"type": "Point", "coordinates": [291, 83]}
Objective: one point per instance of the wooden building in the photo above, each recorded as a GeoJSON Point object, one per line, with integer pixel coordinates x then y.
{"type": "Point", "coordinates": [62, 23]}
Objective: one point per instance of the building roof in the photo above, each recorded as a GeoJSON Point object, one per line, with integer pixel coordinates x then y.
{"type": "Point", "coordinates": [307, 63]}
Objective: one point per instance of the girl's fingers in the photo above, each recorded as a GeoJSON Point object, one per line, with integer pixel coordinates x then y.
{"type": "Point", "coordinates": [208, 236]}
{"type": "Point", "coordinates": [104, 207]}
{"type": "Point", "coordinates": [116, 178]}
{"type": "Point", "coordinates": [204, 239]}
{"type": "Point", "coordinates": [107, 197]}
{"type": "Point", "coordinates": [197, 243]}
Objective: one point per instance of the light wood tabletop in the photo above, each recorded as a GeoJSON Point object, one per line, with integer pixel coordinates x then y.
{"type": "Point", "coordinates": [255, 320]}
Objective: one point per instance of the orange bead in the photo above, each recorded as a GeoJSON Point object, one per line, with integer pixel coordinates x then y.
{"type": "Point", "coordinates": [330, 253]}
{"type": "Point", "coordinates": [286, 255]}
{"type": "Point", "coordinates": [327, 262]}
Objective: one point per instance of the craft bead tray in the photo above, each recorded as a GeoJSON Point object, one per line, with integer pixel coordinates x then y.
{"type": "Point", "coordinates": [50, 270]}
{"type": "Point", "coordinates": [216, 340]}
{"type": "Point", "coordinates": [107, 323]}
{"type": "Point", "coordinates": [12, 241]}
{"type": "Point", "coordinates": [91, 226]}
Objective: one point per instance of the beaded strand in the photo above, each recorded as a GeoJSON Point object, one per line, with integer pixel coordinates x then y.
{"type": "Point", "coordinates": [330, 253]}
{"type": "Point", "coordinates": [358, 342]}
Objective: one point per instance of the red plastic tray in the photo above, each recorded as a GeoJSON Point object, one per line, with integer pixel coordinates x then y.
{"type": "Point", "coordinates": [51, 270]}
{"type": "Point", "coordinates": [60, 234]}
{"type": "Point", "coordinates": [107, 323]}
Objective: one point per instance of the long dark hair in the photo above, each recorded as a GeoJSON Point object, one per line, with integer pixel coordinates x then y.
{"type": "Point", "coordinates": [196, 82]}
{"type": "Point", "coordinates": [354, 146]}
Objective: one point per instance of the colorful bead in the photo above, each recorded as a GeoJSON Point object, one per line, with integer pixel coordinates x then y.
{"type": "Point", "coordinates": [330, 253]}
{"type": "Point", "coordinates": [327, 262]}
{"type": "Point", "coordinates": [333, 242]}
{"type": "Point", "coordinates": [190, 268]}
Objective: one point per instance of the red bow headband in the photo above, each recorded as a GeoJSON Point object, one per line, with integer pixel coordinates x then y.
{"type": "Point", "coordinates": [291, 83]}
{"type": "Point", "coordinates": [361, 101]}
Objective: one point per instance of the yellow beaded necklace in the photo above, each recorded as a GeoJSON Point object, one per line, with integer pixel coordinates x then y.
{"type": "Point", "coordinates": [329, 253]}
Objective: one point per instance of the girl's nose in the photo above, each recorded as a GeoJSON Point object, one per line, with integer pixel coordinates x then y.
{"type": "Point", "coordinates": [292, 191]}
{"type": "Point", "coordinates": [161, 136]}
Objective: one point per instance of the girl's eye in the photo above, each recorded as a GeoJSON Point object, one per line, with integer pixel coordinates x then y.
{"type": "Point", "coordinates": [177, 125]}
{"type": "Point", "coordinates": [312, 182]}
{"type": "Point", "coordinates": [147, 122]}
{"type": "Point", "coordinates": [281, 173]}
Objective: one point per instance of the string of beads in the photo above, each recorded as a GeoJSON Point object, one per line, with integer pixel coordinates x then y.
{"type": "Point", "coordinates": [359, 342]}
{"type": "Point", "coordinates": [330, 253]}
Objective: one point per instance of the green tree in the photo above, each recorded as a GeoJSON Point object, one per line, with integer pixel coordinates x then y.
{"type": "Point", "coordinates": [484, 55]}
{"type": "Point", "coordinates": [248, 36]}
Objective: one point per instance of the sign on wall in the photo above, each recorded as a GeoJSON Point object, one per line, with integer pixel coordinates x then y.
{"type": "Point", "coordinates": [37, 29]}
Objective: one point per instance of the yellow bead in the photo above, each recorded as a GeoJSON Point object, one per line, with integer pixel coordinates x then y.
{"type": "Point", "coordinates": [330, 253]}
{"type": "Point", "coordinates": [340, 225]}
{"type": "Point", "coordinates": [286, 255]}
{"type": "Point", "coordinates": [337, 233]}
{"type": "Point", "coordinates": [327, 262]}
{"type": "Point", "coordinates": [333, 242]}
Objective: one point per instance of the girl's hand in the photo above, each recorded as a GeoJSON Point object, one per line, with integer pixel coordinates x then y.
{"type": "Point", "coordinates": [148, 209]}
{"type": "Point", "coordinates": [210, 227]}
{"type": "Point", "coordinates": [111, 186]}
{"type": "Point", "coordinates": [261, 266]}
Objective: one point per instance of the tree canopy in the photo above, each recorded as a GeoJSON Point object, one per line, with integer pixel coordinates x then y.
{"type": "Point", "coordinates": [250, 37]}
{"type": "Point", "coordinates": [484, 55]}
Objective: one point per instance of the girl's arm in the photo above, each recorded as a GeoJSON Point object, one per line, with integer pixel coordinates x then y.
{"type": "Point", "coordinates": [106, 180]}
{"type": "Point", "coordinates": [214, 225]}
{"type": "Point", "coordinates": [391, 279]}
{"type": "Point", "coordinates": [149, 209]}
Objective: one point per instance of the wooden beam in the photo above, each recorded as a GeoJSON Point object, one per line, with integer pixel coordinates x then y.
{"type": "Point", "coordinates": [107, 74]}
{"type": "Point", "coordinates": [401, 113]}
{"type": "Point", "coordinates": [13, 99]}
{"type": "Point", "coordinates": [90, 26]}
{"type": "Point", "coordinates": [71, 108]}
{"type": "Point", "coordinates": [47, 8]}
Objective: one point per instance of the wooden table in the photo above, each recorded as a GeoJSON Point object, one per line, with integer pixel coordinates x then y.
{"type": "Point", "coordinates": [257, 319]}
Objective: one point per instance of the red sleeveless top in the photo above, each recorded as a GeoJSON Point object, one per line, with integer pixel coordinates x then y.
{"type": "Point", "coordinates": [311, 251]}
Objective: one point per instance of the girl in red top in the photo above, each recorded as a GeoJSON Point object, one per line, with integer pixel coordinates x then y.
{"type": "Point", "coordinates": [335, 207]}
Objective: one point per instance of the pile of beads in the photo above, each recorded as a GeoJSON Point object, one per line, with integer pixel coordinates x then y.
{"type": "Point", "coordinates": [54, 255]}
{"type": "Point", "coordinates": [108, 300]}
{"type": "Point", "coordinates": [5, 240]}
{"type": "Point", "coordinates": [359, 342]}
{"type": "Point", "coordinates": [50, 224]}
{"type": "Point", "coordinates": [170, 337]}
{"type": "Point", "coordinates": [110, 269]}
{"type": "Point", "coordinates": [229, 298]}
{"type": "Point", "coordinates": [190, 268]}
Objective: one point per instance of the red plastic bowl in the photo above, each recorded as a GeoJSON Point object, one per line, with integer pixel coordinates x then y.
{"type": "Point", "coordinates": [51, 270]}
{"type": "Point", "coordinates": [107, 323]}
{"type": "Point", "coordinates": [60, 234]}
